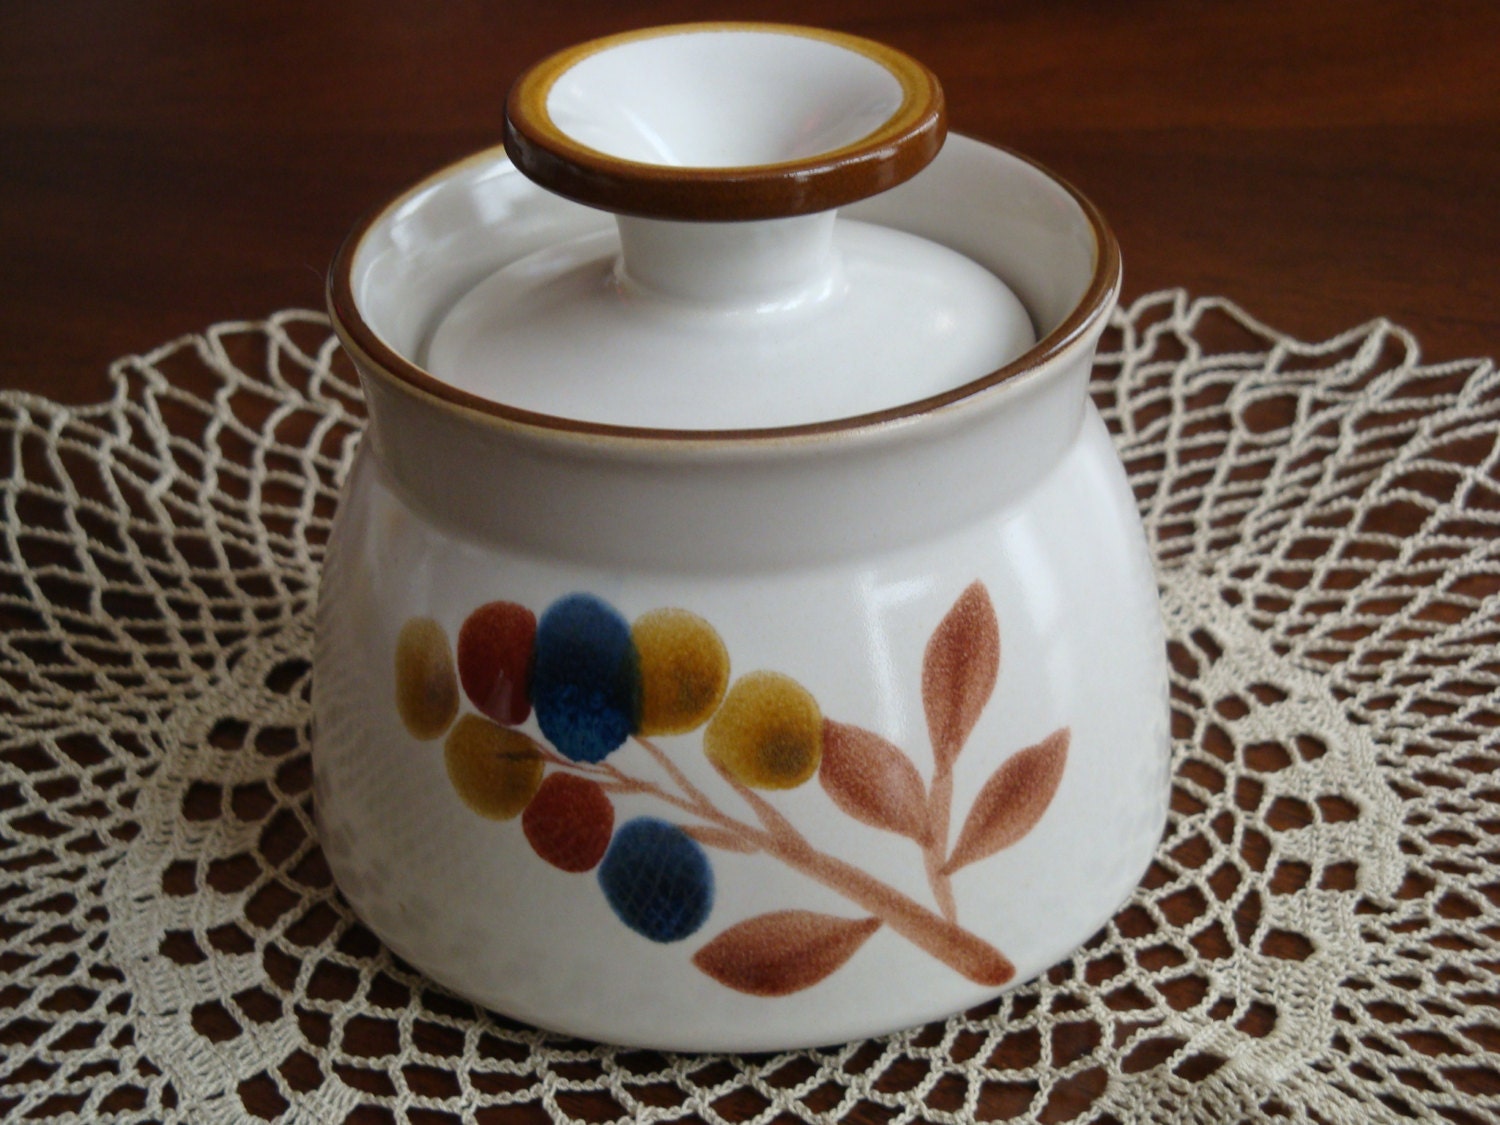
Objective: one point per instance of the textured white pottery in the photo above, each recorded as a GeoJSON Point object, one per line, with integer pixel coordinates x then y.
{"type": "Point", "coordinates": [899, 739]}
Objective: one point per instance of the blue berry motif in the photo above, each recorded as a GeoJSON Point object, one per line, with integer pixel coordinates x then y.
{"type": "Point", "coordinates": [657, 879]}
{"type": "Point", "coordinates": [585, 679]}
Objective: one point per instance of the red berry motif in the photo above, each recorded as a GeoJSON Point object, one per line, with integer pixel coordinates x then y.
{"type": "Point", "coordinates": [569, 822]}
{"type": "Point", "coordinates": [494, 660]}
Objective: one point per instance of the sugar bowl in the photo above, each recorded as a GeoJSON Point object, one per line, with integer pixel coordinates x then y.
{"type": "Point", "coordinates": [737, 632]}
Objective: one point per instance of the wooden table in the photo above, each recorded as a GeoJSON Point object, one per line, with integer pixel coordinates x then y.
{"type": "Point", "coordinates": [163, 167]}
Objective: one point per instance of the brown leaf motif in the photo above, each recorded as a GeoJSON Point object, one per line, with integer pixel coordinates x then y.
{"type": "Point", "coordinates": [872, 780]}
{"type": "Point", "coordinates": [959, 671]}
{"type": "Point", "coordinates": [783, 952]}
{"type": "Point", "coordinates": [1012, 801]}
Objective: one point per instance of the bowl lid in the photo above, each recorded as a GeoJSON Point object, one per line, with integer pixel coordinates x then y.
{"type": "Point", "coordinates": [729, 297]}
{"type": "Point", "coordinates": [406, 267]}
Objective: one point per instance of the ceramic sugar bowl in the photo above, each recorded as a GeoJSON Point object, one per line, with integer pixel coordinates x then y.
{"type": "Point", "coordinates": [737, 633]}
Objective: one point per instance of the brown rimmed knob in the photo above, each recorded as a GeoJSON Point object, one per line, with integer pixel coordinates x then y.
{"type": "Point", "coordinates": [724, 121]}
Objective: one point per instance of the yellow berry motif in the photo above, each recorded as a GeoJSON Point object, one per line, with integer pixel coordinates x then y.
{"type": "Point", "coordinates": [684, 669]}
{"type": "Point", "coordinates": [426, 683]}
{"type": "Point", "coordinates": [495, 770]}
{"type": "Point", "coordinates": [768, 734]}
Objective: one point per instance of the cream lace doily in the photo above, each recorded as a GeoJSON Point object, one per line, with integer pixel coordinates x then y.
{"type": "Point", "coordinates": [1317, 941]}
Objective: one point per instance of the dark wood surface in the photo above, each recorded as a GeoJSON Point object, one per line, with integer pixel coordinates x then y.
{"type": "Point", "coordinates": [166, 166]}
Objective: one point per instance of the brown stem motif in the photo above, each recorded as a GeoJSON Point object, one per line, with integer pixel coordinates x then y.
{"type": "Point", "coordinates": [935, 849]}
{"type": "Point", "coordinates": [777, 836]}
{"type": "Point", "coordinates": [596, 682]}
{"type": "Point", "coordinates": [940, 936]}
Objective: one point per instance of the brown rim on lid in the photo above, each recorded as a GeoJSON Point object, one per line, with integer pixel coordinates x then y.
{"type": "Point", "coordinates": [896, 150]}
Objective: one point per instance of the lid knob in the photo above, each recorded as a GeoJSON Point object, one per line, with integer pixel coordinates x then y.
{"type": "Point", "coordinates": [724, 121]}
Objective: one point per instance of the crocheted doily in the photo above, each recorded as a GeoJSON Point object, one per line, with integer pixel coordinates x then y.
{"type": "Point", "coordinates": [1317, 940]}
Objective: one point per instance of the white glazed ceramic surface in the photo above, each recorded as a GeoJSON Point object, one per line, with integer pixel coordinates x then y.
{"type": "Point", "coordinates": [719, 97]}
{"type": "Point", "coordinates": [704, 326]}
{"type": "Point", "coordinates": [783, 320]}
{"type": "Point", "coordinates": [872, 564]}
{"type": "Point", "coordinates": [467, 899]}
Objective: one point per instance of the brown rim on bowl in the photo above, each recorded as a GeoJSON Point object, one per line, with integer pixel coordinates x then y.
{"type": "Point", "coordinates": [366, 345]}
{"type": "Point", "coordinates": [895, 151]}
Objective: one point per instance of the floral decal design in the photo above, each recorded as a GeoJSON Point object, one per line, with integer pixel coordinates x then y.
{"type": "Point", "coordinates": [596, 683]}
